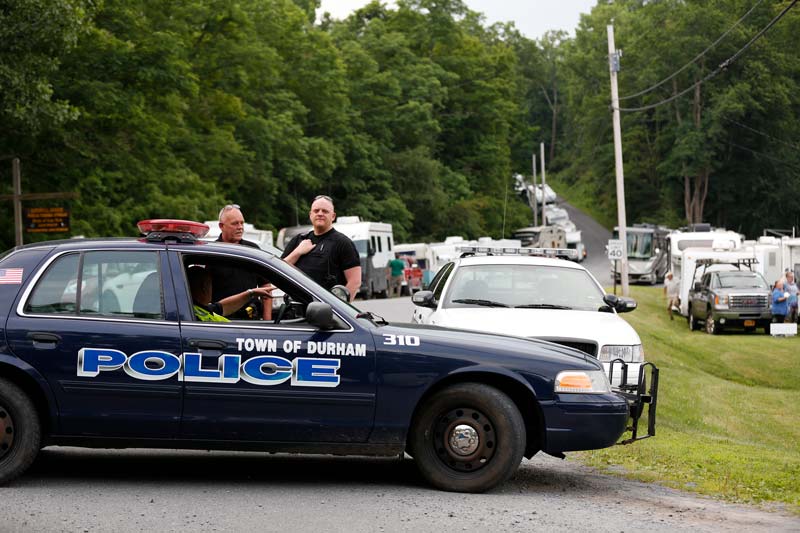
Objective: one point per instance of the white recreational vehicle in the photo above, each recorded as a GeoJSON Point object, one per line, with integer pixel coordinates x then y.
{"type": "Point", "coordinates": [262, 237]}
{"type": "Point", "coordinates": [375, 244]}
{"type": "Point", "coordinates": [710, 240]}
{"type": "Point", "coordinates": [790, 255]}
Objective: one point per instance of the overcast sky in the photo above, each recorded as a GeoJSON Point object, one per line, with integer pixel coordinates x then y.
{"type": "Point", "coordinates": [532, 17]}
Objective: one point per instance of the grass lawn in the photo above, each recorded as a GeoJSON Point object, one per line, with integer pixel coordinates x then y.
{"type": "Point", "coordinates": [728, 411]}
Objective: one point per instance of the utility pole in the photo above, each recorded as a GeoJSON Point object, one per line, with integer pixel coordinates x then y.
{"type": "Point", "coordinates": [613, 68]}
{"type": "Point", "coordinates": [544, 183]}
{"type": "Point", "coordinates": [535, 201]}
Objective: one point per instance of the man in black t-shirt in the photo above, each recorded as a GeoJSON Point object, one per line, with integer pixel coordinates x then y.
{"type": "Point", "coordinates": [231, 280]}
{"type": "Point", "coordinates": [326, 255]}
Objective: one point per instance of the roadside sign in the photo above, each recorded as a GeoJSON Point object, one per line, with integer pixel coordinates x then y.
{"type": "Point", "coordinates": [46, 219]}
{"type": "Point", "coordinates": [615, 250]}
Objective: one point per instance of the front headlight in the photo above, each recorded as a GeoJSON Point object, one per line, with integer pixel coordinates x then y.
{"type": "Point", "coordinates": [582, 381]}
{"type": "Point", "coordinates": [629, 354]}
{"type": "Point", "coordinates": [721, 302]}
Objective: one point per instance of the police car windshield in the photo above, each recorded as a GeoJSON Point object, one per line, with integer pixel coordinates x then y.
{"type": "Point", "coordinates": [524, 286]}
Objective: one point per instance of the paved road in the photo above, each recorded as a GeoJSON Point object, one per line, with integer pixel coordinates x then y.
{"type": "Point", "coordinates": [87, 491]}
{"type": "Point", "coordinates": [595, 238]}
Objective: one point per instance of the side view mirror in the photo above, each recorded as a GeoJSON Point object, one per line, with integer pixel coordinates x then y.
{"type": "Point", "coordinates": [424, 299]}
{"type": "Point", "coordinates": [370, 250]}
{"type": "Point", "coordinates": [320, 315]}
{"type": "Point", "coordinates": [341, 292]}
{"type": "Point", "coordinates": [698, 286]}
{"type": "Point", "coordinates": [620, 304]}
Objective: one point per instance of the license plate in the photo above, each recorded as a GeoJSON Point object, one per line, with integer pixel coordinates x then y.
{"type": "Point", "coordinates": [748, 323]}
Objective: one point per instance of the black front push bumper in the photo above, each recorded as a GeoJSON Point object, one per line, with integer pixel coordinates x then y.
{"type": "Point", "coordinates": [637, 396]}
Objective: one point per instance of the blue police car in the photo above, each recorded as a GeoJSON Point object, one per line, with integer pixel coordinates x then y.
{"type": "Point", "coordinates": [100, 346]}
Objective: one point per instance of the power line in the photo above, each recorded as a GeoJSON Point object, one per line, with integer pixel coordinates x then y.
{"type": "Point", "coordinates": [698, 56]}
{"type": "Point", "coordinates": [767, 135]}
{"type": "Point", "coordinates": [765, 156]}
{"type": "Point", "coordinates": [722, 66]}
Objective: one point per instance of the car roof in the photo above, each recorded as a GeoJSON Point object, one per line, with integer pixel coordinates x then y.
{"type": "Point", "coordinates": [140, 243]}
{"type": "Point", "coordinates": [516, 260]}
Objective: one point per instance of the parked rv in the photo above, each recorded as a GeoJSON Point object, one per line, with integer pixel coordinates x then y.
{"type": "Point", "coordinates": [719, 239]}
{"type": "Point", "coordinates": [263, 238]}
{"type": "Point", "coordinates": [375, 244]}
{"type": "Point", "coordinates": [648, 254]}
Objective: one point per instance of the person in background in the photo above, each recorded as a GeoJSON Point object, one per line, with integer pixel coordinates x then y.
{"type": "Point", "coordinates": [326, 255]}
{"type": "Point", "coordinates": [397, 269]}
{"type": "Point", "coordinates": [791, 287]}
{"type": "Point", "coordinates": [231, 226]}
{"type": "Point", "coordinates": [780, 303]}
{"type": "Point", "coordinates": [207, 310]}
{"type": "Point", "coordinates": [672, 288]}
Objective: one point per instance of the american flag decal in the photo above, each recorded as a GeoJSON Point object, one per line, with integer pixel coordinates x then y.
{"type": "Point", "coordinates": [11, 276]}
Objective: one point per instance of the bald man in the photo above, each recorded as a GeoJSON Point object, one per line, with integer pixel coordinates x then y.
{"type": "Point", "coordinates": [326, 255]}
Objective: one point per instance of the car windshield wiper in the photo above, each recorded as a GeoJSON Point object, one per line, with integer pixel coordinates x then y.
{"type": "Point", "coordinates": [542, 306]}
{"type": "Point", "coordinates": [485, 303]}
{"type": "Point", "coordinates": [377, 319]}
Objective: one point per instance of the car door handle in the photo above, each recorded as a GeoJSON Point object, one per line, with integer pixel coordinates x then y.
{"type": "Point", "coordinates": [207, 344]}
{"type": "Point", "coordinates": [43, 340]}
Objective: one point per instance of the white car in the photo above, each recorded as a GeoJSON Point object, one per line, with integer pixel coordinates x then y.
{"type": "Point", "coordinates": [533, 293]}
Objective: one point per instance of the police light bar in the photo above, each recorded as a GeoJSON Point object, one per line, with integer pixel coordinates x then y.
{"type": "Point", "coordinates": [561, 253]}
{"type": "Point", "coordinates": [162, 229]}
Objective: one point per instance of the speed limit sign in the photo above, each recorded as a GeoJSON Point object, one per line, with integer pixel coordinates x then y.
{"type": "Point", "coordinates": [615, 249]}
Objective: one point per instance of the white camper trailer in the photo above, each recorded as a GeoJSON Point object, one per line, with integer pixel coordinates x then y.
{"type": "Point", "coordinates": [375, 244]}
{"type": "Point", "coordinates": [710, 240]}
{"type": "Point", "coordinates": [263, 238]}
{"type": "Point", "coordinates": [768, 252]}
{"type": "Point", "coordinates": [790, 255]}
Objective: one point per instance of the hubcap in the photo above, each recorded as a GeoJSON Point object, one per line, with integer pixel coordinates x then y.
{"type": "Point", "coordinates": [6, 432]}
{"type": "Point", "coordinates": [464, 439]}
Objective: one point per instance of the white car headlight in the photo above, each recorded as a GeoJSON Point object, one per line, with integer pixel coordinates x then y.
{"type": "Point", "coordinates": [582, 381]}
{"type": "Point", "coordinates": [629, 354]}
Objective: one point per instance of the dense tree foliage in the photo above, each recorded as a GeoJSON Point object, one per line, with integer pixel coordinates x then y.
{"type": "Point", "coordinates": [416, 115]}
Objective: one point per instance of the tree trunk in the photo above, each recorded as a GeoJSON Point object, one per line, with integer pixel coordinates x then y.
{"type": "Point", "coordinates": [695, 187]}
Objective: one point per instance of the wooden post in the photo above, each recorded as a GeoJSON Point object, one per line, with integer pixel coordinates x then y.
{"type": "Point", "coordinates": [16, 175]}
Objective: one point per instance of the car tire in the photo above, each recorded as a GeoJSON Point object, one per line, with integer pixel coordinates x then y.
{"type": "Point", "coordinates": [492, 437]}
{"type": "Point", "coordinates": [692, 320]}
{"type": "Point", "coordinates": [20, 431]}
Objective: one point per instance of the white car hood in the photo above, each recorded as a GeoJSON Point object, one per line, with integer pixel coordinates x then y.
{"type": "Point", "coordinates": [605, 328]}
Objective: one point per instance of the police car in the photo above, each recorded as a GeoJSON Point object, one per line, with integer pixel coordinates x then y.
{"type": "Point", "coordinates": [535, 292]}
{"type": "Point", "coordinates": [140, 370]}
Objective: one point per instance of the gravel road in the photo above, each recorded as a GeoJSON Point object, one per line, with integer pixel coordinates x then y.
{"type": "Point", "coordinates": [76, 490]}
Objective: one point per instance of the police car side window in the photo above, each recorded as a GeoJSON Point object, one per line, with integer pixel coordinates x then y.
{"type": "Point", "coordinates": [116, 284]}
{"type": "Point", "coordinates": [121, 284]}
{"type": "Point", "coordinates": [56, 290]}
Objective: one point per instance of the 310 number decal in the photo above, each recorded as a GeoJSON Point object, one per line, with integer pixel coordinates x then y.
{"type": "Point", "coordinates": [400, 340]}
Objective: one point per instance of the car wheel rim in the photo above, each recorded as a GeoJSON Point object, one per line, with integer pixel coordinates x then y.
{"type": "Point", "coordinates": [6, 432]}
{"type": "Point", "coordinates": [710, 324]}
{"type": "Point", "coordinates": [465, 439]}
